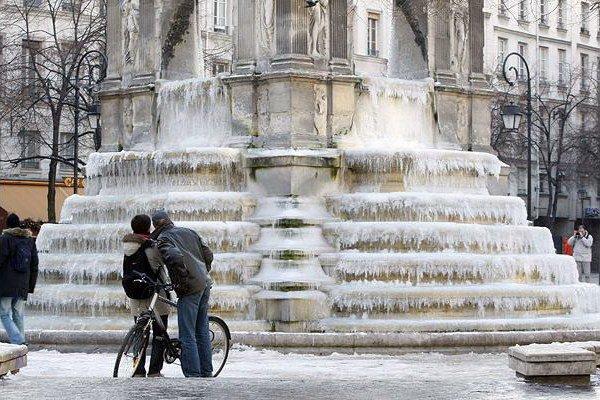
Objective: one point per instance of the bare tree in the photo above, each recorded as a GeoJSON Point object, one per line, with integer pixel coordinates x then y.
{"type": "Point", "coordinates": [43, 40]}
{"type": "Point", "coordinates": [556, 136]}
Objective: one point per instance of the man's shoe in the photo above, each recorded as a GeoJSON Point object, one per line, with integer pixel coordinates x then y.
{"type": "Point", "coordinates": [157, 375]}
{"type": "Point", "coordinates": [15, 371]}
{"type": "Point", "coordinates": [139, 375]}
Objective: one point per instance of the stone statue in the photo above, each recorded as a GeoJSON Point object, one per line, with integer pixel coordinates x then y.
{"type": "Point", "coordinates": [458, 40]}
{"type": "Point", "coordinates": [130, 10]}
{"type": "Point", "coordinates": [267, 26]}
{"type": "Point", "coordinates": [317, 29]}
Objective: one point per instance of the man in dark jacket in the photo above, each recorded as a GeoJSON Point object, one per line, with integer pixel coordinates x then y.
{"type": "Point", "coordinates": [18, 275]}
{"type": "Point", "coordinates": [188, 261]}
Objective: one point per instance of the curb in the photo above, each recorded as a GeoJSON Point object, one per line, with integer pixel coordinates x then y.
{"type": "Point", "coordinates": [409, 341]}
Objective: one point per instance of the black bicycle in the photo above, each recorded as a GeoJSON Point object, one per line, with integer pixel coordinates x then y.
{"type": "Point", "coordinates": [136, 341]}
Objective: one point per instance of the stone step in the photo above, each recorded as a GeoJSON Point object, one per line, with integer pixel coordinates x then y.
{"type": "Point", "coordinates": [419, 170]}
{"type": "Point", "coordinates": [181, 206]}
{"type": "Point", "coordinates": [473, 324]}
{"type": "Point", "coordinates": [110, 300]}
{"type": "Point", "coordinates": [106, 238]}
{"type": "Point", "coordinates": [130, 172]}
{"type": "Point", "coordinates": [393, 301]}
{"type": "Point", "coordinates": [439, 236]}
{"type": "Point", "coordinates": [290, 212]}
{"type": "Point", "coordinates": [102, 268]}
{"type": "Point", "coordinates": [290, 275]}
{"type": "Point", "coordinates": [295, 242]}
{"type": "Point", "coordinates": [428, 207]}
{"type": "Point", "coordinates": [450, 268]}
{"type": "Point", "coordinates": [12, 358]}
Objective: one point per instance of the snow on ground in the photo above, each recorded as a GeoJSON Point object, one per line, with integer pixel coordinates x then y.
{"type": "Point", "coordinates": [267, 374]}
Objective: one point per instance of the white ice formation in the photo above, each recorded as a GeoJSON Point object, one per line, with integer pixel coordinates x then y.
{"type": "Point", "coordinates": [404, 238]}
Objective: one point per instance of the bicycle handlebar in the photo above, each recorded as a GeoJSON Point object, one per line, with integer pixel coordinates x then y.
{"type": "Point", "coordinates": [146, 279]}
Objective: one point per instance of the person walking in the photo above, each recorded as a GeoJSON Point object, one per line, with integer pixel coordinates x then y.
{"type": "Point", "coordinates": [582, 242]}
{"type": "Point", "coordinates": [188, 261]}
{"type": "Point", "coordinates": [141, 256]}
{"type": "Point", "coordinates": [18, 276]}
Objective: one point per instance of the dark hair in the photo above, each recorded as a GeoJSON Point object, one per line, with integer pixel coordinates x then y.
{"type": "Point", "coordinates": [13, 221]}
{"type": "Point", "coordinates": [140, 224]}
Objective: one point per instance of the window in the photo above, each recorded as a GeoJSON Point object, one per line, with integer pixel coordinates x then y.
{"type": "Point", "coordinates": [523, 10]}
{"type": "Point", "coordinates": [67, 5]}
{"type": "Point", "coordinates": [372, 33]}
{"type": "Point", "coordinates": [521, 181]}
{"type": "Point", "coordinates": [562, 67]}
{"type": "Point", "coordinates": [502, 47]}
{"type": "Point", "coordinates": [219, 13]}
{"type": "Point", "coordinates": [562, 14]}
{"type": "Point", "coordinates": [67, 145]}
{"type": "Point", "coordinates": [502, 10]}
{"type": "Point", "coordinates": [219, 67]}
{"type": "Point", "coordinates": [542, 183]}
{"type": "Point", "coordinates": [523, 52]}
{"type": "Point", "coordinates": [585, 16]}
{"type": "Point", "coordinates": [543, 13]}
{"type": "Point", "coordinates": [29, 53]}
{"type": "Point", "coordinates": [543, 63]}
{"type": "Point", "coordinates": [585, 72]}
{"type": "Point", "coordinates": [30, 147]}
{"type": "Point", "coordinates": [33, 3]}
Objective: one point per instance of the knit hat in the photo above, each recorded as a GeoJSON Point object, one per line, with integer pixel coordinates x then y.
{"type": "Point", "coordinates": [13, 221]}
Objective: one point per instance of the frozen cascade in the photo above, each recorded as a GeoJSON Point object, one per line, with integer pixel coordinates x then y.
{"type": "Point", "coordinates": [386, 297]}
{"type": "Point", "coordinates": [184, 206]}
{"type": "Point", "coordinates": [440, 236]}
{"type": "Point", "coordinates": [107, 237]}
{"type": "Point", "coordinates": [129, 172]}
{"type": "Point", "coordinates": [429, 207]}
{"type": "Point", "coordinates": [422, 161]}
{"type": "Point", "coordinates": [429, 268]}
{"type": "Point", "coordinates": [278, 273]}
{"type": "Point", "coordinates": [383, 108]}
{"type": "Point", "coordinates": [98, 268]}
{"type": "Point", "coordinates": [199, 106]}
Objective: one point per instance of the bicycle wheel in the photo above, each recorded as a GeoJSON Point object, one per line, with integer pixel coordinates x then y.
{"type": "Point", "coordinates": [132, 349]}
{"type": "Point", "coordinates": [220, 341]}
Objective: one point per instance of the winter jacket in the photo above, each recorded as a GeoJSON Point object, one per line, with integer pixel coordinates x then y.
{"type": "Point", "coordinates": [14, 283]}
{"type": "Point", "coordinates": [187, 259]}
{"type": "Point", "coordinates": [131, 244]}
{"type": "Point", "coordinates": [582, 247]}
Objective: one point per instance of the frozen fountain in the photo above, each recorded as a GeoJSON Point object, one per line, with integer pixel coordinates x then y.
{"type": "Point", "coordinates": [333, 203]}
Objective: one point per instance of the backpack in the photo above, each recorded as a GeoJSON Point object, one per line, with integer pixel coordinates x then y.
{"type": "Point", "coordinates": [137, 262]}
{"type": "Point", "coordinates": [20, 259]}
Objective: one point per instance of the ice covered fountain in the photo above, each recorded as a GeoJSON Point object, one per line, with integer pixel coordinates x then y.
{"type": "Point", "coordinates": [333, 202]}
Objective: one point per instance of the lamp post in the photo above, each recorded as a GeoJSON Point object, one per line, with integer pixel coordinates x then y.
{"type": "Point", "coordinates": [93, 111]}
{"type": "Point", "coordinates": [511, 116]}
{"type": "Point", "coordinates": [583, 194]}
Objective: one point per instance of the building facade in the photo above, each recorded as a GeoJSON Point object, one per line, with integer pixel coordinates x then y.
{"type": "Point", "coordinates": [560, 39]}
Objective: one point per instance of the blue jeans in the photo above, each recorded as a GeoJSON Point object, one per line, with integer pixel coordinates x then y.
{"type": "Point", "coordinates": [11, 315]}
{"type": "Point", "coordinates": [196, 351]}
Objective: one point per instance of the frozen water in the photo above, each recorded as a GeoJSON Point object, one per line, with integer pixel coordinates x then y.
{"type": "Point", "coordinates": [440, 236]}
{"type": "Point", "coordinates": [383, 109]}
{"type": "Point", "coordinates": [198, 107]}
{"type": "Point", "coordinates": [429, 207]}
{"type": "Point", "coordinates": [418, 268]}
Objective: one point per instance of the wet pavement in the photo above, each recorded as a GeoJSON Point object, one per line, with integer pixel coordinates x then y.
{"type": "Point", "coordinates": [253, 374]}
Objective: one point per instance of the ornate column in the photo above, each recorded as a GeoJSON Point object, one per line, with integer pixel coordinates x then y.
{"type": "Point", "coordinates": [245, 58]}
{"type": "Point", "coordinates": [338, 36]}
{"type": "Point", "coordinates": [113, 42]}
{"type": "Point", "coordinates": [476, 39]}
{"type": "Point", "coordinates": [145, 65]}
{"type": "Point", "coordinates": [442, 45]}
{"type": "Point", "coordinates": [291, 38]}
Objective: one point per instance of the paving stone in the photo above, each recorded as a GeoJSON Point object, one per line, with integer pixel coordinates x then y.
{"type": "Point", "coordinates": [12, 357]}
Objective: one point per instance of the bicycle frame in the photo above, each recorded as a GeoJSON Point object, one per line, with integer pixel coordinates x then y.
{"type": "Point", "coordinates": [157, 297]}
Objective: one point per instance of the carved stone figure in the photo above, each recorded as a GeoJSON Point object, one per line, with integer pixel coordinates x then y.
{"type": "Point", "coordinates": [267, 26]}
{"type": "Point", "coordinates": [458, 40]}
{"type": "Point", "coordinates": [130, 10]}
{"type": "Point", "coordinates": [317, 29]}
{"type": "Point", "coordinates": [320, 112]}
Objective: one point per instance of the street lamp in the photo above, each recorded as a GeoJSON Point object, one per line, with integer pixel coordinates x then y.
{"type": "Point", "coordinates": [93, 111]}
{"type": "Point", "coordinates": [93, 115]}
{"type": "Point", "coordinates": [583, 194]}
{"type": "Point", "coordinates": [511, 116]}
